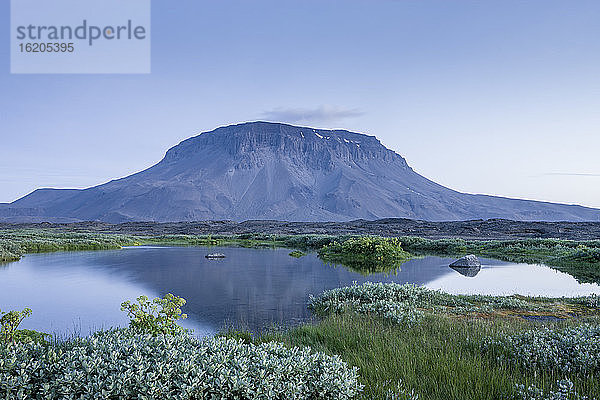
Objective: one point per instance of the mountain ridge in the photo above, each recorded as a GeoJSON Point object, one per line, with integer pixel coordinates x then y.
{"type": "Point", "coordinates": [263, 170]}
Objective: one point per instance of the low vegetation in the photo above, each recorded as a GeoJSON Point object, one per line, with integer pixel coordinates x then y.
{"type": "Point", "coordinates": [569, 350]}
{"type": "Point", "coordinates": [411, 342]}
{"type": "Point", "coordinates": [15, 243]}
{"type": "Point", "coordinates": [153, 360]}
{"type": "Point", "coordinates": [121, 364]}
{"type": "Point", "coordinates": [564, 390]}
{"type": "Point", "coordinates": [299, 242]}
{"type": "Point", "coordinates": [158, 316]}
{"type": "Point", "coordinates": [439, 358]}
{"type": "Point", "coordinates": [372, 341]}
{"type": "Point", "coordinates": [366, 254]}
{"type": "Point", "coordinates": [297, 254]}
{"type": "Point", "coordinates": [409, 303]}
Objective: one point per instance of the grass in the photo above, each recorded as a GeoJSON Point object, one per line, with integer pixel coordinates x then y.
{"type": "Point", "coordinates": [439, 358]}
{"type": "Point", "coordinates": [440, 355]}
{"type": "Point", "coordinates": [15, 243]}
{"type": "Point", "coordinates": [434, 343]}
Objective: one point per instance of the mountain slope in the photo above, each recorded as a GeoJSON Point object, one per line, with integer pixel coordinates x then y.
{"type": "Point", "coordinates": [265, 170]}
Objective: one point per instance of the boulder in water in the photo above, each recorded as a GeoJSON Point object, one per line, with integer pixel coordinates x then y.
{"type": "Point", "coordinates": [470, 261]}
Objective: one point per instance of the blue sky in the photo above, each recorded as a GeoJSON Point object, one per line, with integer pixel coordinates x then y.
{"type": "Point", "coordinates": [495, 97]}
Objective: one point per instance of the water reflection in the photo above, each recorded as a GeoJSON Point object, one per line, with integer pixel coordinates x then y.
{"type": "Point", "coordinates": [469, 272]}
{"type": "Point", "coordinates": [82, 291]}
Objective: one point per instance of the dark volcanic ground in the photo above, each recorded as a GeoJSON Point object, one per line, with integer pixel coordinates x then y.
{"type": "Point", "coordinates": [477, 229]}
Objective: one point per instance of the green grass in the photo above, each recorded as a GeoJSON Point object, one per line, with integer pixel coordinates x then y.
{"type": "Point", "coordinates": [15, 243]}
{"type": "Point", "coordinates": [299, 242]}
{"type": "Point", "coordinates": [440, 358]}
{"type": "Point", "coordinates": [437, 344]}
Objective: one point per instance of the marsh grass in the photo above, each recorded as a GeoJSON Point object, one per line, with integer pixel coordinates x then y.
{"type": "Point", "coordinates": [15, 243]}
{"type": "Point", "coordinates": [440, 358]}
{"type": "Point", "coordinates": [438, 345]}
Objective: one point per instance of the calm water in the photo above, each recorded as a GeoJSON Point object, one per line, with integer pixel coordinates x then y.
{"type": "Point", "coordinates": [78, 292]}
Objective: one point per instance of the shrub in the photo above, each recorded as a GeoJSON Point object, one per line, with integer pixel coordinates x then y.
{"type": "Point", "coordinates": [120, 364]}
{"type": "Point", "coordinates": [391, 301]}
{"type": "Point", "coordinates": [566, 391]}
{"type": "Point", "coordinates": [238, 334]}
{"type": "Point", "coordinates": [366, 253]}
{"type": "Point", "coordinates": [408, 303]}
{"type": "Point", "coordinates": [567, 350]}
{"type": "Point", "coordinates": [10, 322]}
{"type": "Point", "coordinates": [158, 316]}
{"type": "Point", "coordinates": [591, 301]}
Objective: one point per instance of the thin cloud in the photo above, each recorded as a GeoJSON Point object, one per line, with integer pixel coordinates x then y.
{"type": "Point", "coordinates": [569, 174]}
{"type": "Point", "coordinates": [322, 114]}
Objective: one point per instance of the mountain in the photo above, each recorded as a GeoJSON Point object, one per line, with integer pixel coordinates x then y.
{"type": "Point", "coordinates": [262, 170]}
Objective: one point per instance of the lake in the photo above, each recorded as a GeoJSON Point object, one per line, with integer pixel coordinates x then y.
{"type": "Point", "coordinates": [79, 292]}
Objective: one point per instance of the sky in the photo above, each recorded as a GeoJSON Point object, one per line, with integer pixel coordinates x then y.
{"type": "Point", "coordinates": [497, 97]}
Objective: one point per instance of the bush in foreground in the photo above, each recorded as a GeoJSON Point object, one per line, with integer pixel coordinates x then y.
{"type": "Point", "coordinates": [119, 364]}
{"type": "Point", "coordinates": [565, 391]}
{"type": "Point", "coordinates": [408, 303]}
{"type": "Point", "coordinates": [391, 301]}
{"type": "Point", "coordinates": [157, 316]}
{"type": "Point", "coordinates": [572, 350]}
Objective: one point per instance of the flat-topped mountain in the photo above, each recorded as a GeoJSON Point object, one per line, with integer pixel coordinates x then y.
{"type": "Point", "coordinates": [262, 170]}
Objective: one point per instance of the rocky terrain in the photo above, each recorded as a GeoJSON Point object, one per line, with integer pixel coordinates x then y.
{"type": "Point", "coordinates": [271, 171]}
{"type": "Point", "coordinates": [477, 229]}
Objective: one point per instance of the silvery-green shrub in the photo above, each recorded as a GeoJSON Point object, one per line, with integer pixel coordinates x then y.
{"type": "Point", "coordinates": [119, 364]}
{"type": "Point", "coordinates": [391, 301]}
{"type": "Point", "coordinates": [405, 303]}
{"type": "Point", "coordinates": [565, 391]}
{"type": "Point", "coordinates": [567, 350]}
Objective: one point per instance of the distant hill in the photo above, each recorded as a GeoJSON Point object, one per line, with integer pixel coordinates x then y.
{"type": "Point", "coordinates": [263, 170]}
